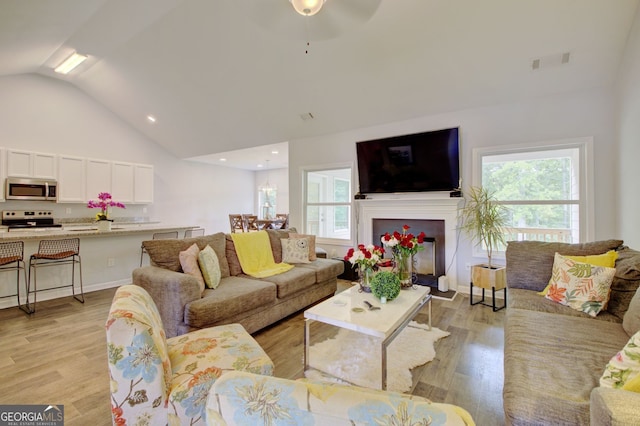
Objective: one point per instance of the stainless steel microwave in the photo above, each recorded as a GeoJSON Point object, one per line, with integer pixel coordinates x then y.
{"type": "Point", "coordinates": [31, 189]}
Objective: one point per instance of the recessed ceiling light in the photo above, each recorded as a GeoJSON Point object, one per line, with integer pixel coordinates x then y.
{"type": "Point", "coordinates": [223, 159]}
{"type": "Point", "coordinates": [151, 118]}
{"type": "Point", "coordinates": [260, 166]}
{"type": "Point", "coordinates": [275, 152]}
{"type": "Point", "coordinates": [70, 63]}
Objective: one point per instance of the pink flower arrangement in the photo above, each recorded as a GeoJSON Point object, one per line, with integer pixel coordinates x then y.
{"type": "Point", "coordinates": [103, 203]}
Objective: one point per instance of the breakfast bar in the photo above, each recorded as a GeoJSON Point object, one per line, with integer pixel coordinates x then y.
{"type": "Point", "coordinates": [108, 257]}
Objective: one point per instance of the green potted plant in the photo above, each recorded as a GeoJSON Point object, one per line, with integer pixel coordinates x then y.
{"type": "Point", "coordinates": [385, 285]}
{"type": "Point", "coordinates": [483, 220]}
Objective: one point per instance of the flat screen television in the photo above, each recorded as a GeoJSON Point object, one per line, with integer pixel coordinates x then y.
{"type": "Point", "coordinates": [420, 162]}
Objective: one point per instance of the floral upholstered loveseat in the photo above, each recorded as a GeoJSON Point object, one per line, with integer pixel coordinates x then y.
{"type": "Point", "coordinates": [159, 381]}
{"type": "Point", "coordinates": [241, 398]}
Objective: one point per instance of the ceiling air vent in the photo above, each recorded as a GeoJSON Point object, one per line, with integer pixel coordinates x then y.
{"type": "Point", "coordinates": [307, 116]}
{"type": "Point", "coordinates": [550, 61]}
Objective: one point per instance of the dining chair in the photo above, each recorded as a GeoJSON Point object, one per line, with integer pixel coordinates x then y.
{"type": "Point", "coordinates": [284, 217]}
{"type": "Point", "coordinates": [252, 223]}
{"type": "Point", "coordinates": [237, 223]}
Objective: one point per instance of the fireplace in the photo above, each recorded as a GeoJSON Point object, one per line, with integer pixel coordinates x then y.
{"type": "Point", "coordinates": [435, 215]}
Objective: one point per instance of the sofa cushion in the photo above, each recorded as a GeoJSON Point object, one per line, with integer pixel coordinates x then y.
{"type": "Point", "coordinates": [551, 364]}
{"type": "Point", "coordinates": [232, 258]}
{"type": "Point", "coordinates": [292, 281]}
{"type": "Point", "coordinates": [581, 286]}
{"type": "Point", "coordinates": [275, 235]}
{"type": "Point", "coordinates": [234, 294]}
{"type": "Point", "coordinates": [210, 267]}
{"type": "Point", "coordinates": [519, 298]}
{"type": "Point", "coordinates": [189, 263]}
{"type": "Point", "coordinates": [529, 263]}
{"type": "Point", "coordinates": [295, 250]}
{"type": "Point", "coordinates": [312, 243]}
{"type": "Point", "coordinates": [631, 320]}
{"type": "Point", "coordinates": [325, 269]}
{"type": "Point", "coordinates": [625, 282]}
{"type": "Point", "coordinates": [165, 253]}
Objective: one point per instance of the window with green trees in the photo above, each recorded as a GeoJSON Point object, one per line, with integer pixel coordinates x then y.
{"type": "Point", "coordinates": [543, 188]}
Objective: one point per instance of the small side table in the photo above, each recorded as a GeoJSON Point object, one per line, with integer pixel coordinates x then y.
{"type": "Point", "coordinates": [485, 278]}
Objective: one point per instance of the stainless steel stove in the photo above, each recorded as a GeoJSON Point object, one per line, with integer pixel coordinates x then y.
{"type": "Point", "coordinates": [21, 220]}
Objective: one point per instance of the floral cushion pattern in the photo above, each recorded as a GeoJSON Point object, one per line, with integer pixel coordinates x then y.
{"type": "Point", "coordinates": [248, 399]}
{"type": "Point", "coordinates": [624, 366]}
{"type": "Point", "coordinates": [155, 380]}
{"type": "Point", "coordinates": [579, 285]}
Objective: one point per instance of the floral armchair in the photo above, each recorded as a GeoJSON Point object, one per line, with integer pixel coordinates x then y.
{"type": "Point", "coordinates": [241, 398]}
{"type": "Point", "coordinates": [159, 381]}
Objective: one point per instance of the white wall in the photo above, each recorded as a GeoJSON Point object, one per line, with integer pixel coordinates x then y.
{"type": "Point", "coordinates": [629, 139]}
{"type": "Point", "coordinates": [558, 117]}
{"type": "Point", "coordinates": [43, 114]}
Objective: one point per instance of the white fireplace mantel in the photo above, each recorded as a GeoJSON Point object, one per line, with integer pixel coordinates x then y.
{"type": "Point", "coordinates": [413, 208]}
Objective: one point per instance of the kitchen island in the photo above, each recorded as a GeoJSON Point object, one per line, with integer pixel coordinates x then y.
{"type": "Point", "coordinates": [108, 257]}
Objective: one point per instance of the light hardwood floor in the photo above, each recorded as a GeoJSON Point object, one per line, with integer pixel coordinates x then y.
{"type": "Point", "coordinates": [58, 356]}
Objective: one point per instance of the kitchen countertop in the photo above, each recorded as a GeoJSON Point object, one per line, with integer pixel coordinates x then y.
{"type": "Point", "coordinates": [89, 230]}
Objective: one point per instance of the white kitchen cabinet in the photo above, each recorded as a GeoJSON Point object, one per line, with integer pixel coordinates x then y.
{"type": "Point", "coordinates": [98, 178]}
{"type": "Point", "coordinates": [143, 183]}
{"type": "Point", "coordinates": [122, 178]}
{"type": "Point", "coordinates": [31, 164]}
{"type": "Point", "coordinates": [71, 179]}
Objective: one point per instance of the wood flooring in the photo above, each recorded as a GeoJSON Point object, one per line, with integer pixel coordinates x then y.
{"type": "Point", "coordinates": [58, 356]}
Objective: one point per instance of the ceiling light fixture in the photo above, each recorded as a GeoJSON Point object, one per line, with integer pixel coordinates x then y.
{"type": "Point", "coordinates": [70, 63]}
{"type": "Point", "coordinates": [307, 7]}
{"type": "Point", "coordinates": [151, 118]}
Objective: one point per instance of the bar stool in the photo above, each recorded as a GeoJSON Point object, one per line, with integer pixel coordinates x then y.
{"type": "Point", "coordinates": [196, 232]}
{"type": "Point", "coordinates": [12, 259]}
{"type": "Point", "coordinates": [159, 236]}
{"type": "Point", "coordinates": [54, 253]}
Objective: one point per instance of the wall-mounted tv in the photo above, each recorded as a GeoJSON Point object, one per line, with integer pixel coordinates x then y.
{"type": "Point", "coordinates": [419, 162]}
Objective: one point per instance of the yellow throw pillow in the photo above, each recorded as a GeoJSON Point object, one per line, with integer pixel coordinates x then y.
{"type": "Point", "coordinates": [607, 259]}
{"type": "Point", "coordinates": [633, 385]}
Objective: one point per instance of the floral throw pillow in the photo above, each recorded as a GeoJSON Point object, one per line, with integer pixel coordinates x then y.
{"type": "Point", "coordinates": [624, 368]}
{"type": "Point", "coordinates": [580, 285]}
{"type": "Point", "coordinates": [295, 250]}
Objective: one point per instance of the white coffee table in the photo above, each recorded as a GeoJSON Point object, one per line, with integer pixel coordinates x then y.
{"type": "Point", "coordinates": [347, 310]}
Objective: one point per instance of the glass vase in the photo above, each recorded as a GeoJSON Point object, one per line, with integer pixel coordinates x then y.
{"type": "Point", "coordinates": [366, 273]}
{"type": "Point", "coordinates": [404, 269]}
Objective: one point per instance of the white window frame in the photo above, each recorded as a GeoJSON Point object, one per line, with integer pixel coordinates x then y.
{"type": "Point", "coordinates": [586, 205]}
{"type": "Point", "coordinates": [352, 221]}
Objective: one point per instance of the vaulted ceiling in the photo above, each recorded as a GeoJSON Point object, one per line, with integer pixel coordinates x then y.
{"type": "Point", "coordinates": [223, 75]}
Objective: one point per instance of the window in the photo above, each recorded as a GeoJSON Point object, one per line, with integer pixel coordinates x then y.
{"type": "Point", "coordinates": [328, 203]}
{"type": "Point", "coordinates": [544, 187]}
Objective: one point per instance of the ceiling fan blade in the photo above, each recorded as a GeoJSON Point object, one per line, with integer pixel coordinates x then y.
{"type": "Point", "coordinates": [335, 18]}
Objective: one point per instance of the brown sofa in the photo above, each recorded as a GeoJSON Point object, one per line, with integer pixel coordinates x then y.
{"type": "Point", "coordinates": [554, 355]}
{"type": "Point", "coordinates": [254, 303]}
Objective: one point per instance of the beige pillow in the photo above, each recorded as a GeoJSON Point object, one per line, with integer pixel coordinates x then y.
{"type": "Point", "coordinates": [210, 267]}
{"type": "Point", "coordinates": [295, 250]}
{"type": "Point", "coordinates": [189, 263]}
{"type": "Point", "coordinates": [312, 244]}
